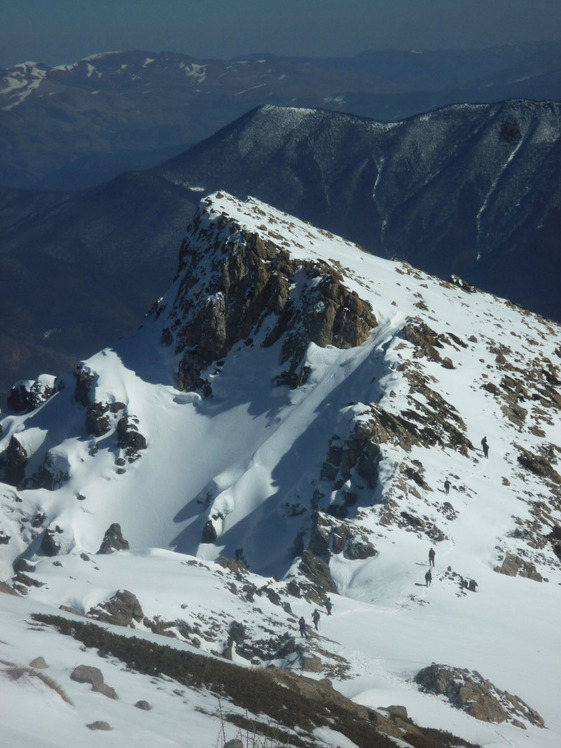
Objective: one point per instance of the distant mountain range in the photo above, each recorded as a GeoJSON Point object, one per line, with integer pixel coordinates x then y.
{"type": "Point", "coordinates": [473, 190]}
{"type": "Point", "coordinates": [77, 125]}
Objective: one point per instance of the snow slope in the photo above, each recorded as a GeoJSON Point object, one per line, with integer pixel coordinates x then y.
{"type": "Point", "coordinates": [251, 460]}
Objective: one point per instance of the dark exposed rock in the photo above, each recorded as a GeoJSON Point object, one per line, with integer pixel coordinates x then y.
{"type": "Point", "coordinates": [28, 395]}
{"type": "Point", "coordinates": [121, 609]}
{"type": "Point", "coordinates": [50, 545]}
{"type": "Point", "coordinates": [209, 534]}
{"type": "Point", "coordinates": [467, 690]}
{"type": "Point", "coordinates": [159, 626]}
{"type": "Point", "coordinates": [97, 419]}
{"type": "Point", "coordinates": [237, 632]}
{"type": "Point", "coordinates": [331, 535]}
{"type": "Point", "coordinates": [13, 463]}
{"type": "Point", "coordinates": [113, 540]}
{"type": "Point", "coordinates": [22, 564]}
{"type": "Point", "coordinates": [7, 590]}
{"type": "Point", "coordinates": [538, 464]}
{"type": "Point", "coordinates": [85, 379]}
{"type": "Point", "coordinates": [51, 474]}
{"type": "Point", "coordinates": [236, 566]}
{"type": "Point", "coordinates": [144, 705]}
{"type": "Point", "coordinates": [317, 571]}
{"type": "Point", "coordinates": [129, 437]}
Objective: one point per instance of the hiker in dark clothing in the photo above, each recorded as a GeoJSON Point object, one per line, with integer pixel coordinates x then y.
{"type": "Point", "coordinates": [315, 618]}
{"type": "Point", "coordinates": [428, 578]}
{"type": "Point", "coordinates": [431, 557]}
{"type": "Point", "coordinates": [328, 606]}
{"type": "Point", "coordinates": [302, 624]}
{"type": "Point", "coordinates": [447, 486]}
{"type": "Point", "coordinates": [485, 446]}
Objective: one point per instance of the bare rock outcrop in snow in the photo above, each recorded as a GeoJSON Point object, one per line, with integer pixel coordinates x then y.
{"type": "Point", "coordinates": [113, 540]}
{"type": "Point", "coordinates": [121, 609]}
{"type": "Point", "coordinates": [469, 691]}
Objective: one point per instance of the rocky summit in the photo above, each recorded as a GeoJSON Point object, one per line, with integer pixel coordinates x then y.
{"type": "Point", "coordinates": [296, 422]}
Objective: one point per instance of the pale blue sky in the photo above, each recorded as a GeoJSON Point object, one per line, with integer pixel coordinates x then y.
{"type": "Point", "coordinates": [61, 31]}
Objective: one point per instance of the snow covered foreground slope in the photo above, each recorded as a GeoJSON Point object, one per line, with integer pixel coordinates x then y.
{"type": "Point", "coordinates": [294, 401]}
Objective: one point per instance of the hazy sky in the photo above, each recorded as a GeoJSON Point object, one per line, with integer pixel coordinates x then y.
{"type": "Point", "coordinates": [62, 31]}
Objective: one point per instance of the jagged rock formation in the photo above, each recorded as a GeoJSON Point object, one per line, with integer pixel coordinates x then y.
{"type": "Point", "coordinates": [478, 697]}
{"type": "Point", "coordinates": [113, 540]}
{"type": "Point", "coordinates": [250, 284]}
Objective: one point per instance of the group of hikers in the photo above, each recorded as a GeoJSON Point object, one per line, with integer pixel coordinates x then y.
{"type": "Point", "coordinates": [315, 618]}
{"type": "Point", "coordinates": [428, 576]}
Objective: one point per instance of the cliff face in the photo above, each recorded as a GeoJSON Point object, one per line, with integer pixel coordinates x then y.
{"type": "Point", "coordinates": [253, 290]}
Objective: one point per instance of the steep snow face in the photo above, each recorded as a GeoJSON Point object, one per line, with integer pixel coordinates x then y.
{"type": "Point", "coordinates": [292, 397]}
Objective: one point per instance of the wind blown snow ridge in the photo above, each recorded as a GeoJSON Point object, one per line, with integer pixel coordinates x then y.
{"type": "Point", "coordinates": [298, 419]}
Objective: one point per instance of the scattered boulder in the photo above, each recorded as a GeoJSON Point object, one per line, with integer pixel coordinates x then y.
{"type": "Point", "coordinates": [99, 725]}
{"type": "Point", "coordinates": [113, 540]}
{"type": "Point", "coordinates": [93, 676]}
{"type": "Point", "coordinates": [469, 691]}
{"type": "Point", "coordinates": [38, 663]}
{"type": "Point", "coordinates": [144, 705]}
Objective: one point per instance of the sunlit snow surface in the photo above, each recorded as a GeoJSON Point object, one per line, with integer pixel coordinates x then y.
{"type": "Point", "coordinates": [253, 448]}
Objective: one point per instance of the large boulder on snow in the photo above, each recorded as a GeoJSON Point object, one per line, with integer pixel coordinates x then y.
{"type": "Point", "coordinates": [113, 540]}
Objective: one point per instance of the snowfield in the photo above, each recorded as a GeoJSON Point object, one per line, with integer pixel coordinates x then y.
{"type": "Point", "coordinates": [250, 459]}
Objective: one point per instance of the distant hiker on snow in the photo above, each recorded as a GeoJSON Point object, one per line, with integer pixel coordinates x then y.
{"type": "Point", "coordinates": [447, 486]}
{"type": "Point", "coordinates": [428, 578]}
{"type": "Point", "coordinates": [302, 624]}
{"type": "Point", "coordinates": [315, 618]}
{"type": "Point", "coordinates": [431, 557]}
{"type": "Point", "coordinates": [328, 606]}
{"type": "Point", "coordinates": [485, 446]}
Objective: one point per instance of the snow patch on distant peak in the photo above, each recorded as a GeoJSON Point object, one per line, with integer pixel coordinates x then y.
{"type": "Point", "coordinates": [20, 81]}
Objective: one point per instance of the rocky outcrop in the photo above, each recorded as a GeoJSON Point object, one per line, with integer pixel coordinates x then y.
{"type": "Point", "coordinates": [13, 462]}
{"type": "Point", "coordinates": [130, 440]}
{"type": "Point", "coordinates": [331, 535]}
{"type": "Point", "coordinates": [113, 540]}
{"type": "Point", "coordinates": [121, 610]}
{"type": "Point", "coordinates": [513, 566]}
{"type": "Point", "coordinates": [469, 691]}
{"type": "Point", "coordinates": [248, 292]}
{"type": "Point", "coordinates": [27, 395]}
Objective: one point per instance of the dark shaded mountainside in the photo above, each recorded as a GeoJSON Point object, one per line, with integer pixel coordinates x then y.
{"type": "Point", "coordinates": [472, 190]}
{"type": "Point", "coordinates": [73, 126]}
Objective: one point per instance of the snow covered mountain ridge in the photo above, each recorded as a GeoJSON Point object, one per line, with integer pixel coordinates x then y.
{"type": "Point", "coordinates": [295, 405]}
